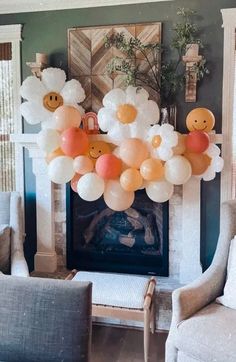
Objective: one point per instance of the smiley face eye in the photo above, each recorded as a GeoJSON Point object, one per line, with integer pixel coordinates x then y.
{"type": "Point", "coordinates": [195, 121]}
{"type": "Point", "coordinates": [50, 98]}
{"type": "Point", "coordinates": [92, 148]}
{"type": "Point", "coordinates": [100, 151]}
{"type": "Point", "coordinates": [204, 121]}
{"type": "Point", "coordinates": [56, 98]}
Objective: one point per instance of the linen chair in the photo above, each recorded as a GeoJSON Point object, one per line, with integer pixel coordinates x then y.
{"type": "Point", "coordinates": [11, 214]}
{"type": "Point", "coordinates": [44, 320]}
{"type": "Point", "coordinates": [201, 329]}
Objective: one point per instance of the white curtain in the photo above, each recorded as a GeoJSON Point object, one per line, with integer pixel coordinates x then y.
{"type": "Point", "coordinates": [7, 150]}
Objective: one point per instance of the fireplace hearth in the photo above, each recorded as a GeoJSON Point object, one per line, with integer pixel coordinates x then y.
{"type": "Point", "coordinates": [132, 241]}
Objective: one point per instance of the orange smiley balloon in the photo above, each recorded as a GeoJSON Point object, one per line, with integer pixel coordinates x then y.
{"type": "Point", "coordinates": [200, 119]}
{"type": "Point", "coordinates": [52, 101]}
{"type": "Point", "coordinates": [97, 149]}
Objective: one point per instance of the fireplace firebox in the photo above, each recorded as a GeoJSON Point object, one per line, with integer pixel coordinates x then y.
{"type": "Point", "coordinates": [133, 241]}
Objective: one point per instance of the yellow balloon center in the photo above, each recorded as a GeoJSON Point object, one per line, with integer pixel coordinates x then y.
{"type": "Point", "coordinates": [156, 141]}
{"type": "Point", "coordinates": [52, 101]}
{"type": "Point", "coordinates": [126, 113]}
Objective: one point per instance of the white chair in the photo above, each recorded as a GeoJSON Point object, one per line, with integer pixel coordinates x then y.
{"type": "Point", "coordinates": [11, 214]}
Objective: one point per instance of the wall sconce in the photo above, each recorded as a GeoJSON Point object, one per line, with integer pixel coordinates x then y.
{"type": "Point", "coordinates": [191, 59]}
{"type": "Point", "coordinates": [40, 64]}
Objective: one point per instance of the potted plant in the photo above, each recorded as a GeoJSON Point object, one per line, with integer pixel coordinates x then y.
{"type": "Point", "coordinates": [165, 77]}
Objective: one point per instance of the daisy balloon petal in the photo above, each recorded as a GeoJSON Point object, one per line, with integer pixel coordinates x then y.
{"type": "Point", "coordinates": [162, 139]}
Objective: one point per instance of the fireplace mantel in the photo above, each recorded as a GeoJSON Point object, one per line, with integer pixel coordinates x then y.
{"type": "Point", "coordinates": [46, 257]}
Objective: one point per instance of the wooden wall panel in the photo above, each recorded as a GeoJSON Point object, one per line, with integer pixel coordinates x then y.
{"type": "Point", "coordinates": [88, 58]}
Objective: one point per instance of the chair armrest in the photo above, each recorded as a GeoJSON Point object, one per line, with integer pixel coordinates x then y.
{"type": "Point", "coordinates": [189, 299]}
{"type": "Point", "coordinates": [19, 266]}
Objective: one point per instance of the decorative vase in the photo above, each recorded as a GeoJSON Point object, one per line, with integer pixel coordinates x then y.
{"type": "Point", "coordinates": [168, 114]}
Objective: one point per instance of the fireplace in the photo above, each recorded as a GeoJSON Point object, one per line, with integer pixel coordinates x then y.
{"type": "Point", "coordinates": [131, 241]}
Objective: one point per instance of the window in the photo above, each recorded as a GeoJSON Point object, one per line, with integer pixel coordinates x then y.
{"type": "Point", "coordinates": [11, 162]}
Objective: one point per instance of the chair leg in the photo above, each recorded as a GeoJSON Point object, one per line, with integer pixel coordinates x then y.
{"type": "Point", "coordinates": [146, 333]}
{"type": "Point", "coordinates": [153, 317]}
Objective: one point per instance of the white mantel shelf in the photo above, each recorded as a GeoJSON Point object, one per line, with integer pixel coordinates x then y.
{"type": "Point", "coordinates": [46, 258]}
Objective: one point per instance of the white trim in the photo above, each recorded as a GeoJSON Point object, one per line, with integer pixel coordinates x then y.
{"type": "Point", "coordinates": [229, 25]}
{"type": "Point", "coordinates": [21, 6]}
{"type": "Point", "coordinates": [9, 33]}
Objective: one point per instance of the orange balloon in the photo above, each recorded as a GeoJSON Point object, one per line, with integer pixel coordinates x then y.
{"type": "Point", "coordinates": [199, 162]}
{"type": "Point", "coordinates": [131, 180]}
{"type": "Point", "coordinates": [65, 117]}
{"type": "Point", "coordinates": [54, 154]}
{"type": "Point", "coordinates": [200, 119]}
{"type": "Point", "coordinates": [97, 149]}
{"type": "Point", "coordinates": [152, 169]}
{"type": "Point", "coordinates": [133, 152]}
{"type": "Point", "coordinates": [74, 142]}
{"type": "Point", "coordinates": [197, 141]}
{"type": "Point", "coordinates": [180, 148]}
{"type": "Point", "coordinates": [74, 182]}
{"type": "Point", "coordinates": [108, 166]}
{"type": "Point", "coordinates": [83, 164]}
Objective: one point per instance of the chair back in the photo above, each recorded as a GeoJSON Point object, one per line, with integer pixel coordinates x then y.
{"type": "Point", "coordinates": [44, 320]}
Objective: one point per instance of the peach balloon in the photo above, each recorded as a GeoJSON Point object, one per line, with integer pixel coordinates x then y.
{"type": "Point", "coordinates": [74, 182]}
{"type": "Point", "coordinates": [54, 154]}
{"type": "Point", "coordinates": [133, 152]}
{"type": "Point", "coordinates": [152, 169]}
{"type": "Point", "coordinates": [108, 166]}
{"type": "Point", "coordinates": [74, 142]}
{"type": "Point", "coordinates": [131, 180]}
{"type": "Point", "coordinates": [181, 147]}
{"type": "Point", "coordinates": [65, 117]}
{"type": "Point", "coordinates": [83, 164]}
{"type": "Point", "coordinates": [116, 198]}
{"type": "Point", "coordinates": [199, 162]}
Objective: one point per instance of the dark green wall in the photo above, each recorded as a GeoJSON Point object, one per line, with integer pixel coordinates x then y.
{"type": "Point", "coordinates": [46, 32]}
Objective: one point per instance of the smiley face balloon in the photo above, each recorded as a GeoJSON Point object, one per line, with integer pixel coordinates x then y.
{"type": "Point", "coordinates": [200, 119]}
{"type": "Point", "coordinates": [98, 148]}
{"type": "Point", "coordinates": [52, 101]}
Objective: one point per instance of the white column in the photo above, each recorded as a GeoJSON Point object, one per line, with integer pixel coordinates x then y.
{"type": "Point", "coordinates": [45, 258]}
{"type": "Point", "coordinates": [190, 266]}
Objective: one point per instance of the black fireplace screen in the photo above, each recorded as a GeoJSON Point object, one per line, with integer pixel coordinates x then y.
{"type": "Point", "coordinates": [131, 241]}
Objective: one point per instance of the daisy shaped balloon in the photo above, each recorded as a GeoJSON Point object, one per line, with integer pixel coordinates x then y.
{"type": "Point", "coordinates": [127, 113]}
{"type": "Point", "coordinates": [162, 139]}
{"type": "Point", "coordinates": [43, 96]}
{"type": "Point", "coordinates": [216, 162]}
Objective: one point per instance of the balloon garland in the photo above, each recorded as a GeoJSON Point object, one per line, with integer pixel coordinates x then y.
{"type": "Point", "coordinates": [136, 152]}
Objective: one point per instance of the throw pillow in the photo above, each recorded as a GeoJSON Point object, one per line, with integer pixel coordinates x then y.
{"type": "Point", "coordinates": [5, 248]}
{"type": "Point", "coordinates": [228, 299]}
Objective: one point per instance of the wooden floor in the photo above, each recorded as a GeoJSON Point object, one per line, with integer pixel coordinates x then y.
{"type": "Point", "coordinates": [114, 344]}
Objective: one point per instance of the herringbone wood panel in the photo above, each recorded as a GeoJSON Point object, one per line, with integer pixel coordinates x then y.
{"type": "Point", "coordinates": [88, 58]}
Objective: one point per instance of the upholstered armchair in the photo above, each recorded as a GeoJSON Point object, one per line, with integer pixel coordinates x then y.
{"type": "Point", "coordinates": [11, 222]}
{"type": "Point", "coordinates": [201, 329]}
{"type": "Point", "coordinates": [44, 320]}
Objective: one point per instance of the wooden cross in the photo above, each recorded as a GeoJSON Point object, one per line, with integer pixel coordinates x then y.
{"type": "Point", "coordinates": [191, 58]}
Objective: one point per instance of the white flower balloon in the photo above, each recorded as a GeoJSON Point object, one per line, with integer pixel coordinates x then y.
{"type": "Point", "coordinates": [216, 165]}
{"type": "Point", "coordinates": [162, 139]}
{"type": "Point", "coordinates": [44, 96]}
{"type": "Point", "coordinates": [127, 114]}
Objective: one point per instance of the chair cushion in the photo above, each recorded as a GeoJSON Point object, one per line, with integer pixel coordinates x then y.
{"type": "Point", "coordinates": [209, 335]}
{"type": "Point", "coordinates": [5, 248]}
{"type": "Point", "coordinates": [120, 290]}
{"type": "Point", "coordinates": [228, 299]}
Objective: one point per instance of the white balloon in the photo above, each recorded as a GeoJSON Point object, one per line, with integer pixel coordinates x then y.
{"type": "Point", "coordinates": [178, 170]}
{"type": "Point", "coordinates": [166, 129]}
{"type": "Point", "coordinates": [60, 169]}
{"type": "Point", "coordinates": [90, 186]}
{"type": "Point", "coordinates": [106, 118]}
{"type": "Point", "coordinates": [217, 163]}
{"type": "Point", "coordinates": [165, 153]}
{"type": "Point", "coordinates": [212, 150]}
{"type": "Point", "coordinates": [159, 191]}
{"type": "Point", "coordinates": [34, 113]}
{"type": "Point", "coordinates": [32, 89]}
{"type": "Point", "coordinates": [148, 113]}
{"type": "Point", "coordinates": [136, 95]}
{"type": "Point", "coordinates": [48, 140]}
{"type": "Point", "coordinates": [209, 174]}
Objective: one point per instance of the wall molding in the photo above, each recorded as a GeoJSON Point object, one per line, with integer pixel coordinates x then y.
{"type": "Point", "coordinates": [22, 6]}
{"type": "Point", "coordinates": [10, 33]}
{"type": "Point", "coordinates": [229, 25]}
